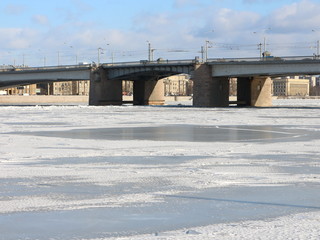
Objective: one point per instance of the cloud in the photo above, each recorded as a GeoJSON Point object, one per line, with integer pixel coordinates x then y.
{"type": "Point", "coordinates": [300, 17]}
{"type": "Point", "coordinates": [183, 3]}
{"type": "Point", "coordinates": [40, 19]}
{"type": "Point", "coordinates": [185, 28]}
{"type": "Point", "coordinates": [261, 1]}
{"type": "Point", "coordinates": [17, 38]}
{"type": "Point", "coordinates": [13, 9]}
{"type": "Point", "coordinates": [82, 6]}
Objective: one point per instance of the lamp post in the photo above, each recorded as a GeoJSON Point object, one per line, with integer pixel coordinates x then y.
{"type": "Point", "coordinates": [150, 52]}
{"type": "Point", "coordinates": [76, 54]}
{"type": "Point", "coordinates": [260, 50]}
{"type": "Point", "coordinates": [264, 44]}
{"type": "Point", "coordinates": [207, 46]}
{"type": "Point", "coordinates": [202, 53]}
{"type": "Point", "coordinates": [99, 52]}
{"type": "Point", "coordinates": [317, 46]}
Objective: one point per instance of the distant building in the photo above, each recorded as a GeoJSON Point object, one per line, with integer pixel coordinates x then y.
{"type": "Point", "coordinates": [178, 85]}
{"type": "Point", "coordinates": [291, 86]}
{"type": "Point", "coordinates": [22, 90]}
{"type": "Point", "coordinates": [233, 86]}
{"type": "Point", "coordinates": [56, 88]}
{"type": "Point", "coordinates": [127, 88]}
{"type": "Point", "coordinates": [71, 88]}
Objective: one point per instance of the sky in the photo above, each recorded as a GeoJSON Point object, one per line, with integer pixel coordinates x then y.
{"type": "Point", "coordinates": [37, 32]}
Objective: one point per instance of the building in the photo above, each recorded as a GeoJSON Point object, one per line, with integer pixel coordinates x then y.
{"type": "Point", "coordinates": [178, 85]}
{"type": "Point", "coordinates": [127, 88]}
{"type": "Point", "coordinates": [291, 86]}
{"type": "Point", "coordinates": [233, 86]}
{"type": "Point", "coordinates": [70, 88]}
{"type": "Point", "coordinates": [22, 90]}
{"type": "Point", "coordinates": [55, 88]}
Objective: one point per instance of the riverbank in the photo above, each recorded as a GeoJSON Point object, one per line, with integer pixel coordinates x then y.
{"type": "Point", "coordinates": [42, 99]}
{"type": "Point", "coordinates": [72, 99]}
{"type": "Point", "coordinates": [76, 99]}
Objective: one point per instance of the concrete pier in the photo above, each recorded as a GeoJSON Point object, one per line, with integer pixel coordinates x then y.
{"type": "Point", "coordinates": [209, 91]}
{"type": "Point", "coordinates": [261, 92]}
{"type": "Point", "coordinates": [148, 92]}
{"type": "Point", "coordinates": [104, 91]}
{"type": "Point", "coordinates": [254, 91]}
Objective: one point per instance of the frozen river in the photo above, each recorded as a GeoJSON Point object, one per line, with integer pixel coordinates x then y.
{"type": "Point", "coordinates": [172, 172]}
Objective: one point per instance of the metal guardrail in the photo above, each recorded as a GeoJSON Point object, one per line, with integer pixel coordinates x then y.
{"type": "Point", "coordinates": [147, 63]}
{"type": "Point", "coordinates": [213, 60]}
{"type": "Point", "coordinates": [23, 68]}
{"type": "Point", "coordinates": [160, 61]}
{"type": "Point", "coordinates": [269, 58]}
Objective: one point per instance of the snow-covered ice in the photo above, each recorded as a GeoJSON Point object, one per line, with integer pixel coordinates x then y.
{"type": "Point", "coordinates": [171, 172]}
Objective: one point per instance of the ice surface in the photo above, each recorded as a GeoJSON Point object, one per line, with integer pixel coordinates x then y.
{"type": "Point", "coordinates": [84, 172]}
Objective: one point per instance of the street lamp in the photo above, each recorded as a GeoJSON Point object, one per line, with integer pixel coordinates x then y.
{"type": "Point", "coordinates": [206, 49]}
{"type": "Point", "coordinates": [264, 44]}
{"type": "Point", "coordinates": [99, 52]}
{"type": "Point", "coordinates": [317, 46]}
{"type": "Point", "coordinates": [76, 54]}
{"type": "Point", "coordinates": [150, 52]}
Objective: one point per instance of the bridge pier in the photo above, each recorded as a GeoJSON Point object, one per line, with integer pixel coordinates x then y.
{"type": "Point", "coordinates": [104, 91]}
{"type": "Point", "coordinates": [148, 92]}
{"type": "Point", "coordinates": [261, 92]}
{"type": "Point", "coordinates": [209, 91]}
{"type": "Point", "coordinates": [254, 91]}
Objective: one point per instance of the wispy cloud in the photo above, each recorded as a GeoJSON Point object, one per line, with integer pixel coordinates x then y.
{"type": "Point", "coordinates": [183, 3]}
{"type": "Point", "coordinates": [14, 9]}
{"type": "Point", "coordinates": [40, 19]}
{"type": "Point", "coordinates": [17, 38]}
{"type": "Point", "coordinates": [184, 28]}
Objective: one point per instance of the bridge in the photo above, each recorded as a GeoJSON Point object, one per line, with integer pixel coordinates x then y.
{"type": "Point", "coordinates": [211, 79]}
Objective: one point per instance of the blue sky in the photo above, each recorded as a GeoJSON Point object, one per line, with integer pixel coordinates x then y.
{"type": "Point", "coordinates": [37, 32]}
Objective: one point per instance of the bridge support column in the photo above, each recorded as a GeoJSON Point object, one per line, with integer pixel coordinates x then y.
{"type": "Point", "coordinates": [254, 91]}
{"type": "Point", "coordinates": [261, 92]}
{"type": "Point", "coordinates": [148, 92]}
{"type": "Point", "coordinates": [209, 91]}
{"type": "Point", "coordinates": [104, 91]}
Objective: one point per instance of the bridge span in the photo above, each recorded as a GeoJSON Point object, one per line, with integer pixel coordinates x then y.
{"type": "Point", "coordinates": [211, 79]}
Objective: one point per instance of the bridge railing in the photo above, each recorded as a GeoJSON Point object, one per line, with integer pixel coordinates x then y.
{"type": "Point", "coordinates": [212, 60]}
{"type": "Point", "coordinates": [160, 61]}
{"type": "Point", "coordinates": [147, 62]}
{"type": "Point", "coordinates": [44, 68]}
{"type": "Point", "coordinates": [268, 58]}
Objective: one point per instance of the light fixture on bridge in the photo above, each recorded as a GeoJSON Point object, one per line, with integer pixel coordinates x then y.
{"type": "Point", "coordinates": [150, 52]}
{"type": "Point", "coordinates": [99, 52]}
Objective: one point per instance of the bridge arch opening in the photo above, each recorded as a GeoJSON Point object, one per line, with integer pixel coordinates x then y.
{"type": "Point", "coordinates": [145, 91]}
{"type": "Point", "coordinates": [140, 84]}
